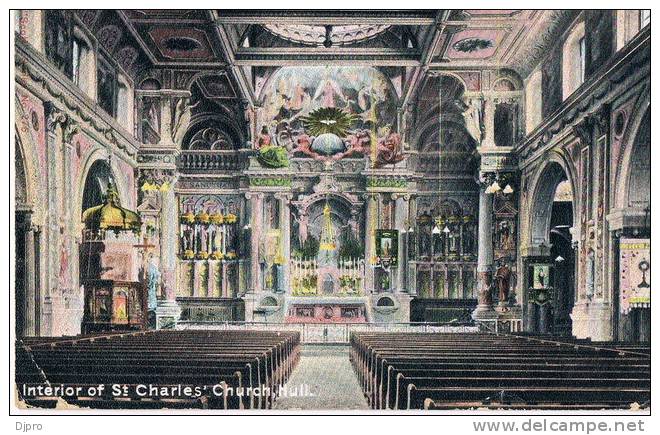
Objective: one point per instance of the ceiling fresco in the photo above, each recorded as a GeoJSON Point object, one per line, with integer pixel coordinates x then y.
{"type": "Point", "coordinates": [296, 92]}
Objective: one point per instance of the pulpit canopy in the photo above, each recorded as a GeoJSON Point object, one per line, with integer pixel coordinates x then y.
{"type": "Point", "coordinates": [111, 215]}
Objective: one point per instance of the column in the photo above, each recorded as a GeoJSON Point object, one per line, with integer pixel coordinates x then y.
{"type": "Point", "coordinates": [256, 211]}
{"type": "Point", "coordinates": [285, 228]}
{"type": "Point", "coordinates": [369, 241]}
{"type": "Point", "coordinates": [56, 121]}
{"type": "Point", "coordinates": [489, 124]}
{"type": "Point", "coordinates": [400, 222]}
{"type": "Point", "coordinates": [485, 254]}
{"type": "Point", "coordinates": [411, 237]}
{"type": "Point", "coordinates": [30, 290]}
{"type": "Point", "coordinates": [168, 311]}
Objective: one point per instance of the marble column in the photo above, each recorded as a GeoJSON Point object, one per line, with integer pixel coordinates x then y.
{"type": "Point", "coordinates": [371, 225]}
{"type": "Point", "coordinates": [168, 311]}
{"type": "Point", "coordinates": [30, 290]}
{"type": "Point", "coordinates": [256, 212]}
{"type": "Point", "coordinates": [400, 223]}
{"type": "Point", "coordinates": [489, 124]}
{"type": "Point", "coordinates": [485, 254]}
{"type": "Point", "coordinates": [56, 123]}
{"type": "Point", "coordinates": [285, 228]}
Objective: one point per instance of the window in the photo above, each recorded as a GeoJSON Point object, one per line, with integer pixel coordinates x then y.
{"type": "Point", "coordinates": [573, 61]}
{"type": "Point", "coordinates": [59, 41]}
{"type": "Point", "coordinates": [124, 104]}
{"type": "Point", "coordinates": [583, 59]}
{"type": "Point", "coordinates": [67, 49]}
{"type": "Point", "coordinates": [106, 87]}
{"type": "Point", "coordinates": [77, 54]}
{"type": "Point", "coordinates": [644, 18]}
{"type": "Point", "coordinates": [533, 101]}
{"type": "Point", "coordinates": [629, 23]}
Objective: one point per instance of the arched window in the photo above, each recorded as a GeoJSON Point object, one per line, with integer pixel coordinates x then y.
{"type": "Point", "coordinates": [573, 61]}
{"type": "Point", "coordinates": [107, 86]}
{"type": "Point", "coordinates": [125, 104]}
{"type": "Point", "coordinates": [59, 40]}
{"type": "Point", "coordinates": [83, 64]}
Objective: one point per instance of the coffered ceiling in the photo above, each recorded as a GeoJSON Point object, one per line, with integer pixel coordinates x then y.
{"type": "Point", "coordinates": [248, 42]}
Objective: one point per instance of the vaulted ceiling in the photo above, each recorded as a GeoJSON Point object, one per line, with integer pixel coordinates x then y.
{"type": "Point", "coordinates": [250, 44]}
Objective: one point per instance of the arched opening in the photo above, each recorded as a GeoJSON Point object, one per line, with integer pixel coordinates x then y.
{"type": "Point", "coordinates": [27, 255]}
{"type": "Point", "coordinates": [635, 317]}
{"type": "Point", "coordinates": [562, 255]}
{"type": "Point", "coordinates": [551, 223]}
{"type": "Point", "coordinates": [639, 179]}
{"type": "Point", "coordinates": [95, 190]}
{"type": "Point", "coordinates": [385, 301]}
{"type": "Point", "coordinates": [96, 184]}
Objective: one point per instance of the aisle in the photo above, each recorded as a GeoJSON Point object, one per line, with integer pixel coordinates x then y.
{"type": "Point", "coordinates": [326, 380]}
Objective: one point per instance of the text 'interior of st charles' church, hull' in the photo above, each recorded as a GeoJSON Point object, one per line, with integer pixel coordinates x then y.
{"type": "Point", "coordinates": [449, 207]}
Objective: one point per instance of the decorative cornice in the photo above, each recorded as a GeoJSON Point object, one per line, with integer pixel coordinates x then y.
{"type": "Point", "coordinates": [626, 69]}
{"type": "Point", "coordinates": [33, 73]}
{"type": "Point", "coordinates": [549, 29]}
{"type": "Point", "coordinates": [270, 182]}
{"type": "Point", "coordinates": [387, 183]}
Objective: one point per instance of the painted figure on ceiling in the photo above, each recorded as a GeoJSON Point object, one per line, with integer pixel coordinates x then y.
{"type": "Point", "coordinates": [329, 93]}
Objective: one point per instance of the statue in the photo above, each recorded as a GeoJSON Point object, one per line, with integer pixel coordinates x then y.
{"type": "Point", "coordinates": [506, 241]}
{"type": "Point", "coordinates": [153, 281]}
{"type": "Point", "coordinates": [181, 119]}
{"type": "Point", "coordinates": [263, 140]}
{"type": "Point", "coordinates": [473, 114]}
{"type": "Point", "coordinates": [389, 149]}
{"type": "Point", "coordinates": [503, 279]}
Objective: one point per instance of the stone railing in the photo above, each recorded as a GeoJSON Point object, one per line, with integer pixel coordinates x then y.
{"type": "Point", "coordinates": [213, 160]}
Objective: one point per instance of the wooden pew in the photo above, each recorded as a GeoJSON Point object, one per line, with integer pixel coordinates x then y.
{"type": "Point", "coordinates": [441, 371]}
{"type": "Point", "coordinates": [242, 361]}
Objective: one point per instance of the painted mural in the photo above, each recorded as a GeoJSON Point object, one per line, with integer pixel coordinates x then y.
{"type": "Point", "coordinates": [328, 113]}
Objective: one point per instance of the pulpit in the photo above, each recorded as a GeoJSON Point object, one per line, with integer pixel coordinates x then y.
{"type": "Point", "coordinates": [112, 305]}
{"type": "Point", "coordinates": [114, 298]}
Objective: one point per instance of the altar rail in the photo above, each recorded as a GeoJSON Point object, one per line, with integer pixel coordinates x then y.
{"type": "Point", "coordinates": [337, 333]}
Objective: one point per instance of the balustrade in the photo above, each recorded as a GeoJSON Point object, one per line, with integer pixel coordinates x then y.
{"type": "Point", "coordinates": [213, 160]}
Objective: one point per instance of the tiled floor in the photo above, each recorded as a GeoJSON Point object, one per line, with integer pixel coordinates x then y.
{"type": "Point", "coordinates": [324, 379]}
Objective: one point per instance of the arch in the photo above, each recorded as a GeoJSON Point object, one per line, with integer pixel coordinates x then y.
{"type": "Point", "coordinates": [638, 181]}
{"type": "Point", "coordinates": [347, 200]}
{"type": "Point", "coordinates": [20, 180]}
{"type": "Point", "coordinates": [434, 75]}
{"type": "Point", "coordinates": [625, 164]}
{"type": "Point", "coordinates": [385, 301]}
{"type": "Point", "coordinates": [26, 143]}
{"type": "Point", "coordinates": [150, 84]}
{"type": "Point", "coordinates": [100, 154]}
{"type": "Point", "coordinates": [507, 81]}
{"type": "Point", "coordinates": [269, 301]}
{"type": "Point", "coordinates": [224, 130]}
{"type": "Point", "coordinates": [555, 170]}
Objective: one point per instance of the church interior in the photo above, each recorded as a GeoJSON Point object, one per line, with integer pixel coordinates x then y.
{"type": "Point", "coordinates": [269, 179]}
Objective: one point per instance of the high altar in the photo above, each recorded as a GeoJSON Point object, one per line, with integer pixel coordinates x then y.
{"type": "Point", "coordinates": [330, 214]}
